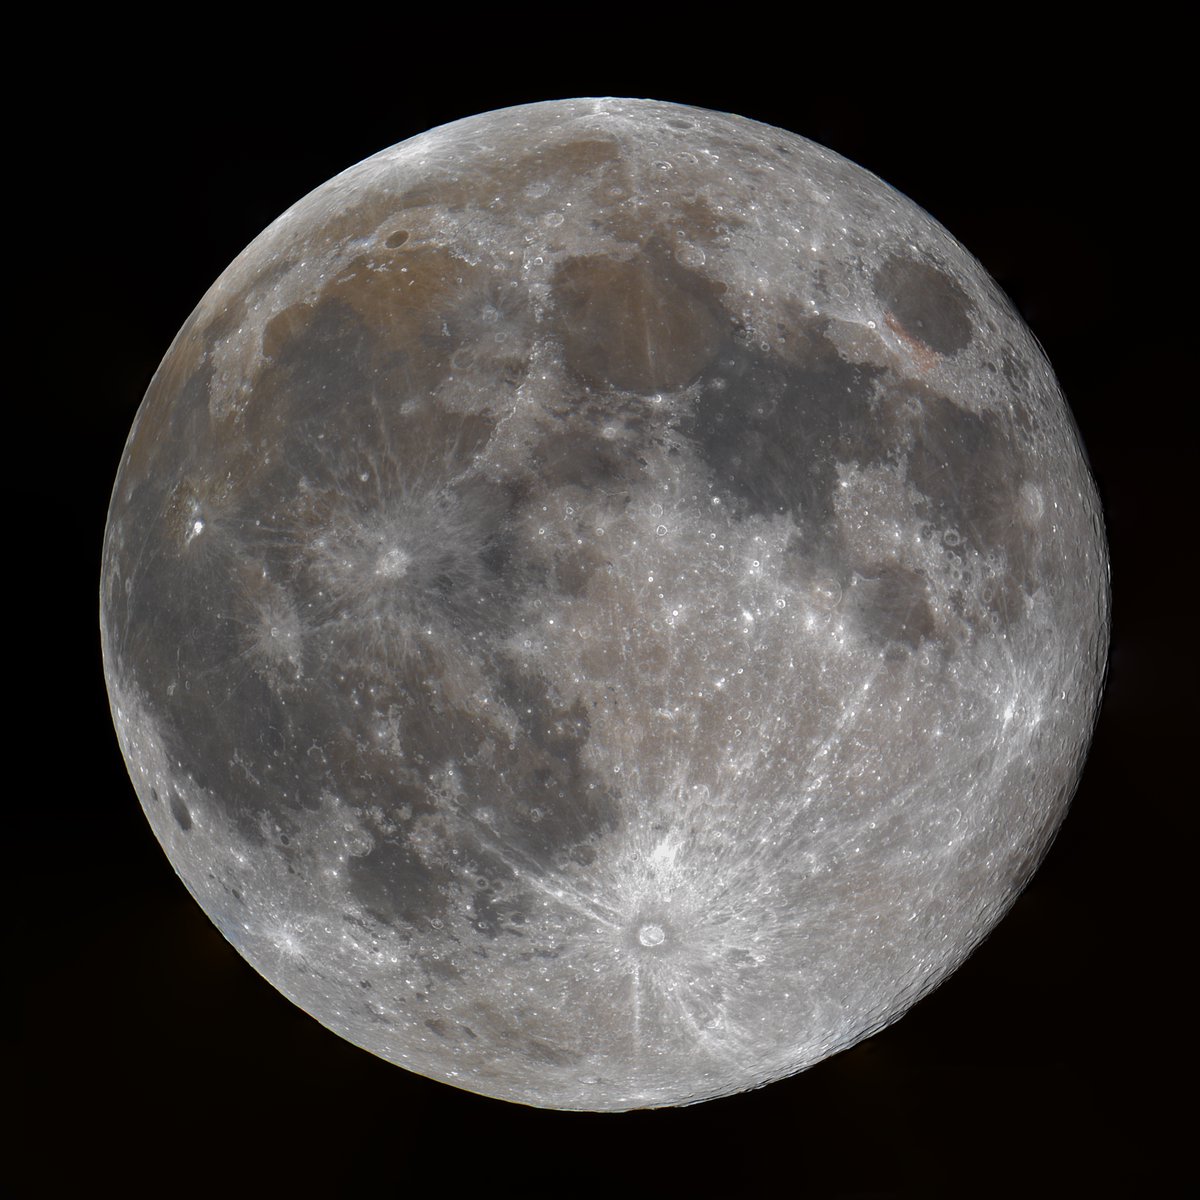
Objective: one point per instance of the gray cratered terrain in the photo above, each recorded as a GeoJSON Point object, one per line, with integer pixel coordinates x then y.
{"type": "Point", "coordinates": [603, 604]}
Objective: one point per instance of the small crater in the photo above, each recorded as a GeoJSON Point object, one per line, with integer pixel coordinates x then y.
{"type": "Point", "coordinates": [397, 239]}
{"type": "Point", "coordinates": [826, 594]}
{"type": "Point", "coordinates": [392, 564]}
{"type": "Point", "coordinates": [1031, 503]}
{"type": "Point", "coordinates": [179, 811]}
{"type": "Point", "coordinates": [651, 935]}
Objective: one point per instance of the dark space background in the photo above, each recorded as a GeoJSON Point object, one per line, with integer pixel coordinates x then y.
{"type": "Point", "coordinates": [150, 1057]}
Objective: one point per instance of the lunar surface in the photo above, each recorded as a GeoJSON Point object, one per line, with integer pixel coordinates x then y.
{"type": "Point", "coordinates": [604, 605]}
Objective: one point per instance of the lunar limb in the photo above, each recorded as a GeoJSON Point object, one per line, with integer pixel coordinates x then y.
{"type": "Point", "coordinates": [604, 605]}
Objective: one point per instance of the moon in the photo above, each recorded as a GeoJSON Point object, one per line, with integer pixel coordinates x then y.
{"type": "Point", "coordinates": [604, 605]}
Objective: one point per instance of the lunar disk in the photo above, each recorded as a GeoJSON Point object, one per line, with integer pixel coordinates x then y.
{"type": "Point", "coordinates": [604, 605]}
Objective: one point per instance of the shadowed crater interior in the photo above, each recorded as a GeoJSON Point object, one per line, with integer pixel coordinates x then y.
{"type": "Point", "coordinates": [928, 304]}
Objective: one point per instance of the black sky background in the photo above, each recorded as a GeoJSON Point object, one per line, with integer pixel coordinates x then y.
{"type": "Point", "coordinates": [150, 1056]}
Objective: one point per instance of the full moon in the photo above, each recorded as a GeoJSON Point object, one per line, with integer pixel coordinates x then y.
{"type": "Point", "coordinates": [604, 604]}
